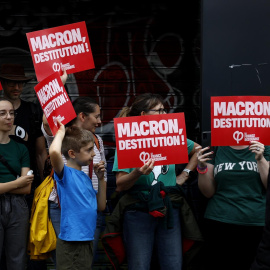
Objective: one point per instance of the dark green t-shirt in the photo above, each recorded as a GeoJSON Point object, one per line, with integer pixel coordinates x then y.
{"type": "Point", "coordinates": [240, 194]}
{"type": "Point", "coordinates": [165, 173]}
{"type": "Point", "coordinates": [17, 157]}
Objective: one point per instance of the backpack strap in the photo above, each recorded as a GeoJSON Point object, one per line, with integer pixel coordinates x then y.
{"type": "Point", "coordinates": [3, 160]}
{"type": "Point", "coordinates": [91, 164]}
{"type": "Point", "coordinates": [96, 141]}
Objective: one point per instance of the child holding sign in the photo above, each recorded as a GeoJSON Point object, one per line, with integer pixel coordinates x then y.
{"type": "Point", "coordinates": [77, 197]}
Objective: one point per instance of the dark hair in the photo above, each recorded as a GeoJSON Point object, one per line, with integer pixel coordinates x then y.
{"type": "Point", "coordinates": [5, 99]}
{"type": "Point", "coordinates": [75, 138]}
{"type": "Point", "coordinates": [86, 105]}
{"type": "Point", "coordinates": [143, 102]}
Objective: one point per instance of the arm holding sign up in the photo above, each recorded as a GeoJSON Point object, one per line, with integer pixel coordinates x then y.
{"type": "Point", "coordinates": [206, 180]}
{"type": "Point", "coordinates": [55, 149]}
{"type": "Point", "coordinates": [191, 166]}
{"type": "Point", "coordinates": [263, 165]}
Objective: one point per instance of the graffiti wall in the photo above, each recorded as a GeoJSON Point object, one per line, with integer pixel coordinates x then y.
{"type": "Point", "coordinates": [137, 47]}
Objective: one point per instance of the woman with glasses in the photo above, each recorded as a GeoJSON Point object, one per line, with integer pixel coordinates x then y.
{"type": "Point", "coordinates": [144, 232]}
{"type": "Point", "coordinates": [14, 184]}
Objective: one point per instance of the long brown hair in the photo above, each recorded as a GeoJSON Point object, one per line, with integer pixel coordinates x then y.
{"type": "Point", "coordinates": [143, 102]}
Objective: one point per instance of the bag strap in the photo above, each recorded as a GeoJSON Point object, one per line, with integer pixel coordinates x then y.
{"type": "Point", "coordinates": [96, 141]}
{"type": "Point", "coordinates": [91, 164]}
{"type": "Point", "coordinates": [3, 160]}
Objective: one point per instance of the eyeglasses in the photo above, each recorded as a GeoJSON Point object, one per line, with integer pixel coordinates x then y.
{"type": "Point", "coordinates": [4, 114]}
{"type": "Point", "coordinates": [13, 83]}
{"type": "Point", "coordinates": [160, 111]}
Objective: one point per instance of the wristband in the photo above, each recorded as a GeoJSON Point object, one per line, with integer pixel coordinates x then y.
{"type": "Point", "coordinates": [201, 168]}
{"type": "Point", "coordinates": [202, 171]}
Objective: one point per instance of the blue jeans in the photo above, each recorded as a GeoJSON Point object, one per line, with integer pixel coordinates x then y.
{"type": "Point", "coordinates": [101, 224]}
{"type": "Point", "coordinates": [143, 233]}
{"type": "Point", "coordinates": [55, 215]}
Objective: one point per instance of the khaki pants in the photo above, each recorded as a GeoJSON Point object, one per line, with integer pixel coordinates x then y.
{"type": "Point", "coordinates": [74, 255]}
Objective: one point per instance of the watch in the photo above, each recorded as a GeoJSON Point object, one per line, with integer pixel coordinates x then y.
{"type": "Point", "coordinates": [189, 172]}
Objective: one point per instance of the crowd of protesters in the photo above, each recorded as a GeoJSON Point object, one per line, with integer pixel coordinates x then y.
{"type": "Point", "coordinates": [152, 225]}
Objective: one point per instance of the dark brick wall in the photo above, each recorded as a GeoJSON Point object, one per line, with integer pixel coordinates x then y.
{"type": "Point", "coordinates": [138, 46]}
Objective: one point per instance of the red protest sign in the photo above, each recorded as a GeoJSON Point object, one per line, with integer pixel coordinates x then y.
{"type": "Point", "coordinates": [237, 120]}
{"type": "Point", "coordinates": [1, 87]}
{"type": "Point", "coordinates": [54, 101]}
{"type": "Point", "coordinates": [161, 137]}
{"type": "Point", "coordinates": [60, 47]}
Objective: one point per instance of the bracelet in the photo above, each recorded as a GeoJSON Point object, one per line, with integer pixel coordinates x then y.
{"type": "Point", "coordinates": [201, 168]}
{"type": "Point", "coordinates": [202, 172]}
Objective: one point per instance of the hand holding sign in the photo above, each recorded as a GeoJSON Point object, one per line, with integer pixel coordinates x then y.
{"type": "Point", "coordinates": [61, 127]}
{"type": "Point", "coordinates": [159, 137]}
{"type": "Point", "coordinates": [64, 77]}
{"type": "Point", "coordinates": [202, 156]}
{"type": "Point", "coordinates": [147, 167]}
{"type": "Point", "coordinates": [60, 47]}
{"type": "Point", "coordinates": [237, 120]}
{"type": "Point", "coordinates": [257, 148]}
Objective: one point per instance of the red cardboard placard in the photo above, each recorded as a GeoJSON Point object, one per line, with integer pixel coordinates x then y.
{"type": "Point", "coordinates": [54, 101]}
{"type": "Point", "coordinates": [161, 137]}
{"type": "Point", "coordinates": [237, 120]}
{"type": "Point", "coordinates": [60, 47]}
{"type": "Point", "coordinates": [1, 87]}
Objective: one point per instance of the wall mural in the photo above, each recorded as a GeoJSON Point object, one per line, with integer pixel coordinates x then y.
{"type": "Point", "coordinates": [134, 52]}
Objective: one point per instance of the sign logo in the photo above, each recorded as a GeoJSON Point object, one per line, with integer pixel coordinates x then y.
{"type": "Point", "coordinates": [56, 67]}
{"type": "Point", "coordinates": [238, 136]}
{"type": "Point", "coordinates": [144, 156]}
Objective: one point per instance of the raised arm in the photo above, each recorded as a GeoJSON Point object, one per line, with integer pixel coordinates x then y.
{"type": "Point", "coordinates": [192, 164]}
{"type": "Point", "coordinates": [206, 180]}
{"type": "Point", "coordinates": [263, 165]}
{"type": "Point", "coordinates": [55, 149]}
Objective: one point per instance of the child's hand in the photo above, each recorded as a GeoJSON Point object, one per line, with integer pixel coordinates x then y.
{"type": "Point", "coordinates": [61, 128]}
{"type": "Point", "coordinates": [99, 169]}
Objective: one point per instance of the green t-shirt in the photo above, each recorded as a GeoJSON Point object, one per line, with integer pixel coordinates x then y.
{"type": "Point", "coordinates": [165, 173]}
{"type": "Point", "coordinates": [17, 157]}
{"type": "Point", "coordinates": [240, 195]}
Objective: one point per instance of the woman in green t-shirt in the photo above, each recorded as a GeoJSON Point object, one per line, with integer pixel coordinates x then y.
{"type": "Point", "coordinates": [142, 232]}
{"type": "Point", "coordinates": [234, 178]}
{"type": "Point", "coordinates": [14, 211]}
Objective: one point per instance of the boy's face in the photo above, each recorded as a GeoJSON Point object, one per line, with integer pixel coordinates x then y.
{"type": "Point", "coordinates": [86, 154]}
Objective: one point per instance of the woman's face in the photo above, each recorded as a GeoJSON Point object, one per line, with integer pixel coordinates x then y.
{"type": "Point", "coordinates": [7, 115]}
{"type": "Point", "coordinates": [92, 120]}
{"type": "Point", "coordinates": [158, 109]}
